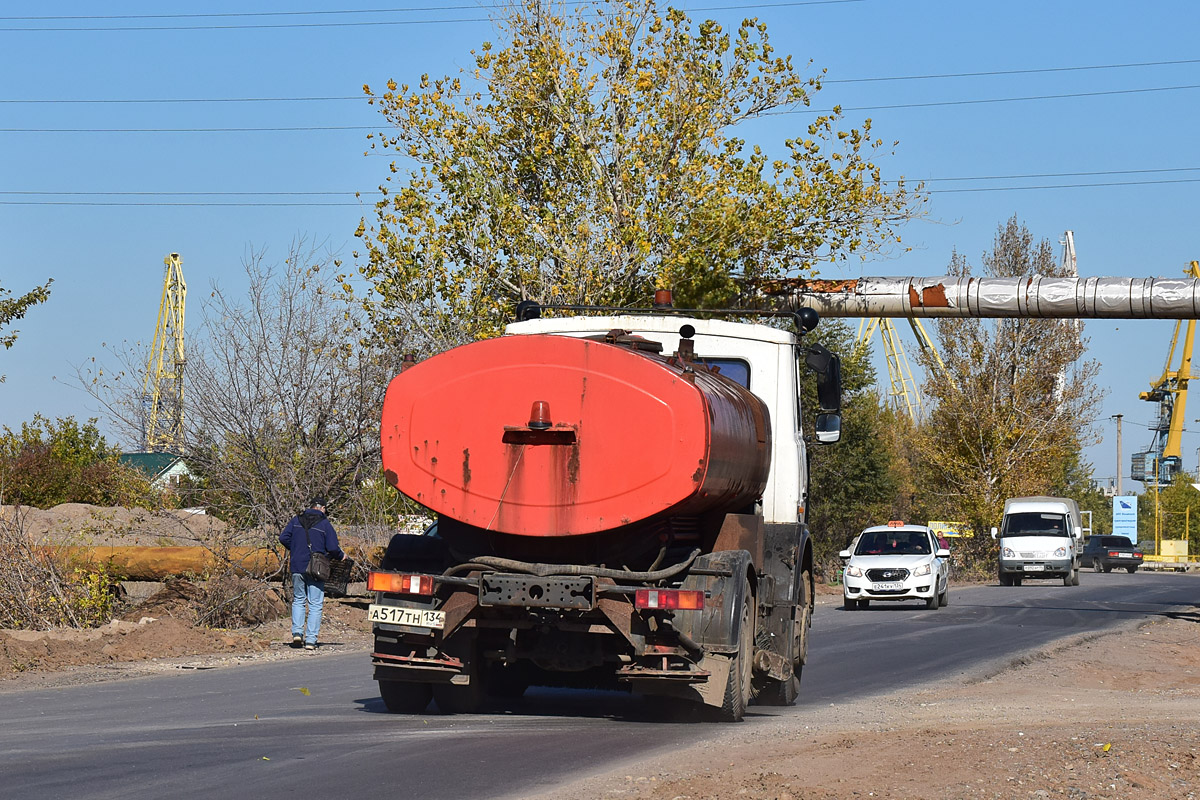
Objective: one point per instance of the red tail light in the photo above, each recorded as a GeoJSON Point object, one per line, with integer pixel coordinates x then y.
{"type": "Point", "coordinates": [674, 599]}
{"type": "Point", "coordinates": [395, 583]}
{"type": "Point", "coordinates": [1113, 554]}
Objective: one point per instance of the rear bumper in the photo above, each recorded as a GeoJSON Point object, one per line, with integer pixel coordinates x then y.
{"type": "Point", "coordinates": [1119, 563]}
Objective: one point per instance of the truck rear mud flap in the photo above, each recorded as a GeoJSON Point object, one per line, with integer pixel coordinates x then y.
{"type": "Point", "coordinates": [704, 684]}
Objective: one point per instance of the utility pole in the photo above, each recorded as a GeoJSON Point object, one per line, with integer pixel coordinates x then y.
{"type": "Point", "coordinates": [1117, 417]}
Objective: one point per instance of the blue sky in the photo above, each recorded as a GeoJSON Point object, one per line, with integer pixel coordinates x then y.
{"type": "Point", "coordinates": [105, 251]}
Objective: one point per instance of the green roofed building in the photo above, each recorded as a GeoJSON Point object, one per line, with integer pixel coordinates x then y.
{"type": "Point", "coordinates": [163, 470]}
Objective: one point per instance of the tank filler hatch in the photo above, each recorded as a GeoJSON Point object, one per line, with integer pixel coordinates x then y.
{"type": "Point", "coordinates": [623, 338]}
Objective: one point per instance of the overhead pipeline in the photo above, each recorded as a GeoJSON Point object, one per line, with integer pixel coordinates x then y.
{"type": "Point", "coordinates": [1030, 296]}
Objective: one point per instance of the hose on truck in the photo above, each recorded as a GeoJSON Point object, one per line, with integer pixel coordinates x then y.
{"type": "Point", "coordinates": [546, 570]}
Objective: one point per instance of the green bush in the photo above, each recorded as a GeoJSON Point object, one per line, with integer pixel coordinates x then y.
{"type": "Point", "coordinates": [52, 462]}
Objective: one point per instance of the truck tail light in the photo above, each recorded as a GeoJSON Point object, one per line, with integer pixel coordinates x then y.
{"type": "Point", "coordinates": [396, 583]}
{"type": "Point", "coordinates": [674, 599]}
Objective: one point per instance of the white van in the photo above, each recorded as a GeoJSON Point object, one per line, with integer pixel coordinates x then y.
{"type": "Point", "coordinates": [1040, 537]}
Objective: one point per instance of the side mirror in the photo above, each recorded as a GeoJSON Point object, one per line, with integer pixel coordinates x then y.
{"type": "Point", "coordinates": [994, 532]}
{"type": "Point", "coordinates": [1079, 533]}
{"type": "Point", "coordinates": [829, 428]}
{"type": "Point", "coordinates": [829, 377]}
{"type": "Point", "coordinates": [942, 553]}
{"type": "Point", "coordinates": [844, 554]}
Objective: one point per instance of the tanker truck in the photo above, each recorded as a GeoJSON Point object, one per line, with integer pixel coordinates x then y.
{"type": "Point", "coordinates": [620, 503]}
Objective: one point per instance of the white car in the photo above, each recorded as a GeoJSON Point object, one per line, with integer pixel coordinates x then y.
{"type": "Point", "coordinates": [896, 562]}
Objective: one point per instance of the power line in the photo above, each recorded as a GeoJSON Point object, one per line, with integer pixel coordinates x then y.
{"type": "Point", "coordinates": [409, 9]}
{"type": "Point", "coordinates": [1060, 186]}
{"type": "Point", "coordinates": [192, 100]}
{"type": "Point", "coordinates": [1063, 174]}
{"type": "Point", "coordinates": [162, 204]}
{"type": "Point", "coordinates": [367, 23]}
{"type": "Point", "coordinates": [273, 129]}
{"type": "Point", "coordinates": [261, 26]}
{"type": "Point", "coordinates": [923, 180]}
{"type": "Point", "coordinates": [982, 101]}
{"type": "Point", "coordinates": [1035, 71]}
{"type": "Point", "coordinates": [341, 98]}
{"type": "Point", "coordinates": [232, 14]}
{"type": "Point", "coordinates": [182, 194]}
{"type": "Point", "coordinates": [361, 203]}
{"type": "Point", "coordinates": [196, 130]}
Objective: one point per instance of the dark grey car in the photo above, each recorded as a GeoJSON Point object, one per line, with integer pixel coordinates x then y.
{"type": "Point", "coordinates": [1106, 552]}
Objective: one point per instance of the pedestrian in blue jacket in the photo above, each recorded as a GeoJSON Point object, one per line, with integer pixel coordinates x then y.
{"type": "Point", "coordinates": [309, 531]}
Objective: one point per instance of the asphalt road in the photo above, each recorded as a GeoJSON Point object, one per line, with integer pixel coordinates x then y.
{"type": "Point", "coordinates": [251, 732]}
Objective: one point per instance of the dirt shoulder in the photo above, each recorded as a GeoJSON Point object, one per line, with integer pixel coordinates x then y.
{"type": "Point", "coordinates": [154, 640]}
{"type": "Point", "coordinates": [1107, 717]}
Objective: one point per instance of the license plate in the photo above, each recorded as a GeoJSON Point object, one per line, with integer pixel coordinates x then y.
{"type": "Point", "coordinates": [1035, 567]}
{"type": "Point", "coordinates": [1125, 555]}
{"type": "Point", "coordinates": [416, 617]}
{"type": "Point", "coordinates": [887, 587]}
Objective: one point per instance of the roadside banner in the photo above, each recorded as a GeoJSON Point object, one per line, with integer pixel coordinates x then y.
{"type": "Point", "coordinates": [1125, 516]}
{"type": "Point", "coordinates": [950, 529]}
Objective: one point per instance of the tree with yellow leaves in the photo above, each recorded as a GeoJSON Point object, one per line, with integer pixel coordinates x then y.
{"type": "Point", "coordinates": [1016, 400]}
{"type": "Point", "coordinates": [589, 159]}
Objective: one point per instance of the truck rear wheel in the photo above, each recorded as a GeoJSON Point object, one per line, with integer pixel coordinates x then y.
{"type": "Point", "coordinates": [401, 697]}
{"type": "Point", "coordinates": [509, 682]}
{"type": "Point", "coordinates": [741, 670]}
{"type": "Point", "coordinates": [457, 698]}
{"type": "Point", "coordinates": [804, 610]}
{"type": "Point", "coordinates": [784, 693]}
{"type": "Point", "coordinates": [779, 693]}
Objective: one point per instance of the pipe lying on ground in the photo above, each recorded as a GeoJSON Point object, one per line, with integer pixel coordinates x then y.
{"type": "Point", "coordinates": [1031, 296]}
{"type": "Point", "coordinates": [157, 563]}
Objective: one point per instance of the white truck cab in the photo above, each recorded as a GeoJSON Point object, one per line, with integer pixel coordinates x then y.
{"type": "Point", "coordinates": [1039, 537]}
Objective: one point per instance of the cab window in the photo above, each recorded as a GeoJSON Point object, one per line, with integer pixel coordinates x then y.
{"type": "Point", "coordinates": [735, 369]}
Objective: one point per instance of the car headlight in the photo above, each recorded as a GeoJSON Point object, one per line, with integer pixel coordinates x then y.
{"type": "Point", "coordinates": [1060, 552]}
{"type": "Point", "coordinates": [921, 570]}
{"type": "Point", "coordinates": [853, 571]}
{"type": "Point", "coordinates": [1008, 553]}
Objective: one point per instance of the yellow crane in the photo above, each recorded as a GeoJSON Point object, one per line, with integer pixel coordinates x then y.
{"type": "Point", "coordinates": [903, 394]}
{"type": "Point", "coordinates": [163, 390]}
{"type": "Point", "coordinates": [1158, 465]}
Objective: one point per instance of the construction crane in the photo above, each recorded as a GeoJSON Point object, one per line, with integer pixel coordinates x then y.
{"type": "Point", "coordinates": [162, 395]}
{"type": "Point", "coordinates": [903, 394]}
{"type": "Point", "coordinates": [1158, 465]}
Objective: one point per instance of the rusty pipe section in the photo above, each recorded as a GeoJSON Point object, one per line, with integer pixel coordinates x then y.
{"type": "Point", "coordinates": [157, 563]}
{"type": "Point", "coordinates": [1031, 296]}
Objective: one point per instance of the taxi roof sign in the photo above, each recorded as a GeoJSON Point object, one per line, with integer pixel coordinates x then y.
{"type": "Point", "coordinates": [895, 523]}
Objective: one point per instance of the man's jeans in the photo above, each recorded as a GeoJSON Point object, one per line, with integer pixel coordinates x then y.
{"type": "Point", "coordinates": [313, 591]}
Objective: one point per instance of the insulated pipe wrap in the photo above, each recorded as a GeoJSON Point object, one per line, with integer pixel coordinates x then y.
{"type": "Point", "coordinates": [1031, 296]}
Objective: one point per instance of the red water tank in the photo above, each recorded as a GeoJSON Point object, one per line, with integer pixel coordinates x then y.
{"type": "Point", "coordinates": [556, 436]}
